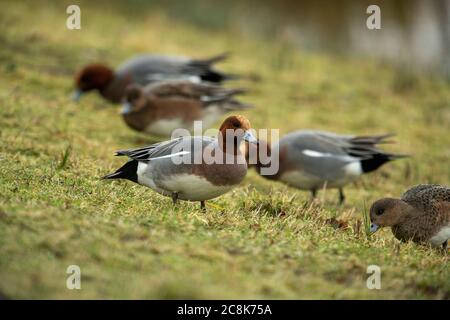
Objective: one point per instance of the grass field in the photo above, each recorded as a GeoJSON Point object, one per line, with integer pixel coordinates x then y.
{"type": "Point", "coordinates": [263, 239]}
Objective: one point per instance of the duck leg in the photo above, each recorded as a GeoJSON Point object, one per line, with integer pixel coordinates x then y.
{"type": "Point", "coordinates": [202, 205]}
{"type": "Point", "coordinates": [341, 196]}
{"type": "Point", "coordinates": [174, 197]}
{"type": "Point", "coordinates": [444, 245]}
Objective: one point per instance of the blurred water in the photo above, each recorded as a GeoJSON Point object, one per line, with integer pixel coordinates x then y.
{"type": "Point", "coordinates": [415, 33]}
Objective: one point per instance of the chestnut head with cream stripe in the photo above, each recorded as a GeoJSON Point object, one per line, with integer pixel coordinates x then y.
{"type": "Point", "coordinates": [232, 132]}
{"type": "Point", "coordinates": [155, 166]}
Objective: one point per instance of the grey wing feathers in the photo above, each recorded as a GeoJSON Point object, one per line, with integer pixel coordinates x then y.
{"type": "Point", "coordinates": [153, 151]}
{"type": "Point", "coordinates": [364, 147]}
{"type": "Point", "coordinates": [146, 68]}
{"type": "Point", "coordinates": [151, 67]}
{"type": "Point", "coordinates": [199, 65]}
{"type": "Point", "coordinates": [187, 144]}
{"type": "Point", "coordinates": [208, 94]}
{"type": "Point", "coordinates": [356, 147]}
{"type": "Point", "coordinates": [225, 99]}
{"type": "Point", "coordinates": [188, 89]}
{"type": "Point", "coordinates": [361, 147]}
{"type": "Point", "coordinates": [319, 141]}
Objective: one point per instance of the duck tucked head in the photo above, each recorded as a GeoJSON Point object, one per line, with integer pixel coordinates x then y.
{"type": "Point", "coordinates": [233, 131]}
{"type": "Point", "coordinates": [135, 99]}
{"type": "Point", "coordinates": [92, 77]}
{"type": "Point", "coordinates": [388, 212]}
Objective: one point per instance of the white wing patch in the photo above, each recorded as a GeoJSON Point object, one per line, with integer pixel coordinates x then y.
{"type": "Point", "coordinates": [171, 155]}
{"type": "Point", "coordinates": [315, 154]}
{"type": "Point", "coordinates": [165, 77]}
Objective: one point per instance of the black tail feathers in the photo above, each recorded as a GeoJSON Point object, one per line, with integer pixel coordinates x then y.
{"type": "Point", "coordinates": [377, 160]}
{"type": "Point", "coordinates": [127, 171]}
{"type": "Point", "coordinates": [214, 76]}
{"type": "Point", "coordinates": [208, 73]}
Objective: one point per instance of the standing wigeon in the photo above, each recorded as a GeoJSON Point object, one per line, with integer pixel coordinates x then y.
{"type": "Point", "coordinates": [311, 160]}
{"type": "Point", "coordinates": [160, 108]}
{"type": "Point", "coordinates": [195, 168]}
{"type": "Point", "coordinates": [421, 215]}
{"type": "Point", "coordinates": [144, 69]}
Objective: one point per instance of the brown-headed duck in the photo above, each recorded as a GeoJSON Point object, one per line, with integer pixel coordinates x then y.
{"type": "Point", "coordinates": [144, 69]}
{"type": "Point", "coordinates": [311, 160]}
{"type": "Point", "coordinates": [422, 215]}
{"type": "Point", "coordinates": [195, 168]}
{"type": "Point", "coordinates": [162, 107]}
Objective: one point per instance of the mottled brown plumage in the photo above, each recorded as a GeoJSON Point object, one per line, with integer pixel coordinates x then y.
{"type": "Point", "coordinates": [163, 107]}
{"type": "Point", "coordinates": [421, 215]}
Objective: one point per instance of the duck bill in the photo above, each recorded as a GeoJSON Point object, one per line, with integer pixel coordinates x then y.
{"type": "Point", "coordinates": [76, 95]}
{"type": "Point", "coordinates": [373, 227]}
{"type": "Point", "coordinates": [126, 108]}
{"type": "Point", "coordinates": [249, 137]}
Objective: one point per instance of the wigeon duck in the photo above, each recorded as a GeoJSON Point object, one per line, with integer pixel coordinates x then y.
{"type": "Point", "coordinates": [195, 168]}
{"type": "Point", "coordinates": [144, 69]}
{"type": "Point", "coordinates": [162, 107]}
{"type": "Point", "coordinates": [311, 160]}
{"type": "Point", "coordinates": [422, 215]}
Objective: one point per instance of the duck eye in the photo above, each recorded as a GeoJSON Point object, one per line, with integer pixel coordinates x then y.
{"type": "Point", "coordinates": [379, 212]}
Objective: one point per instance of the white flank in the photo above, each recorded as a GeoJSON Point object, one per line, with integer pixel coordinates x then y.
{"type": "Point", "coordinates": [167, 126]}
{"type": "Point", "coordinates": [442, 236]}
{"type": "Point", "coordinates": [145, 176]}
{"type": "Point", "coordinates": [188, 187]}
{"type": "Point", "coordinates": [164, 127]}
{"type": "Point", "coordinates": [306, 181]}
{"type": "Point", "coordinates": [192, 187]}
{"type": "Point", "coordinates": [354, 169]}
{"type": "Point", "coordinates": [301, 180]}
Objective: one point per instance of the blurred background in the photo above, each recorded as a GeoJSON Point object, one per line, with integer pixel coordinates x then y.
{"type": "Point", "coordinates": [415, 34]}
{"type": "Point", "coordinates": [306, 65]}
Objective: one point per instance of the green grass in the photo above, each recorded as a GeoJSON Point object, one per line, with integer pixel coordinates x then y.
{"type": "Point", "coordinates": [263, 239]}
